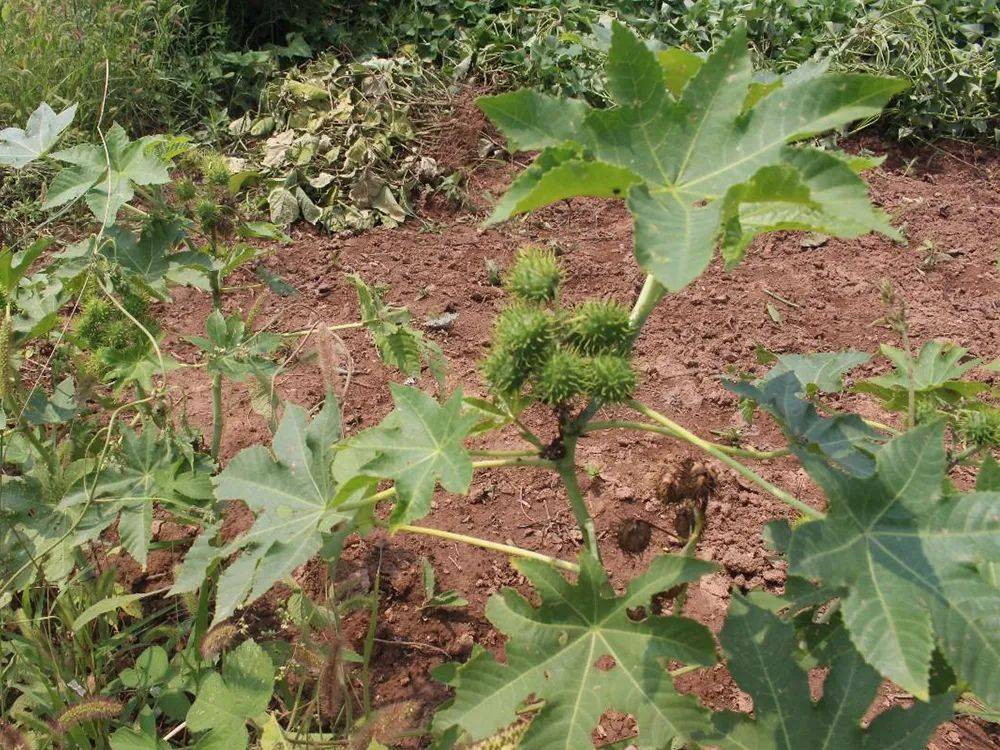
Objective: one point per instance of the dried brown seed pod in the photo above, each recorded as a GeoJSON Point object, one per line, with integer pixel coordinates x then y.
{"type": "Point", "coordinates": [691, 480]}
{"type": "Point", "coordinates": [634, 535]}
{"type": "Point", "coordinates": [684, 521]}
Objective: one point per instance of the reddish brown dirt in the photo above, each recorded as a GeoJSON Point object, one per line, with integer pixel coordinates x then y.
{"type": "Point", "coordinates": [949, 200]}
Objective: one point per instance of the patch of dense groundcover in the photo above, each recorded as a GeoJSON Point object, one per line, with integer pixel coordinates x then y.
{"type": "Point", "coordinates": [827, 298]}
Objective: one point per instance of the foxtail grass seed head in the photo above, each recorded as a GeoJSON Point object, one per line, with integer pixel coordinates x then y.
{"type": "Point", "coordinates": [89, 709]}
{"type": "Point", "coordinates": [599, 327]}
{"type": "Point", "coordinates": [563, 378]}
{"type": "Point", "coordinates": [6, 355]}
{"type": "Point", "coordinates": [12, 738]}
{"type": "Point", "coordinates": [218, 639]}
{"type": "Point", "coordinates": [535, 276]}
{"type": "Point", "coordinates": [610, 378]}
{"type": "Point", "coordinates": [330, 683]}
{"type": "Point", "coordinates": [326, 352]}
{"type": "Point", "coordinates": [506, 739]}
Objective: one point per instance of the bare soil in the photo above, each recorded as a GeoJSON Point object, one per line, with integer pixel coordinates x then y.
{"type": "Point", "coordinates": [827, 297]}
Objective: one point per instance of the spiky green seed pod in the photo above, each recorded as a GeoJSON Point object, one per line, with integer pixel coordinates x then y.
{"type": "Point", "coordinates": [186, 190]}
{"type": "Point", "coordinates": [209, 214]}
{"type": "Point", "coordinates": [502, 374]}
{"type": "Point", "coordinates": [562, 378]}
{"type": "Point", "coordinates": [598, 327]}
{"type": "Point", "coordinates": [981, 428]}
{"type": "Point", "coordinates": [95, 317]}
{"type": "Point", "coordinates": [535, 275]}
{"type": "Point", "coordinates": [925, 410]}
{"type": "Point", "coordinates": [526, 334]}
{"type": "Point", "coordinates": [215, 170]}
{"type": "Point", "coordinates": [610, 378]}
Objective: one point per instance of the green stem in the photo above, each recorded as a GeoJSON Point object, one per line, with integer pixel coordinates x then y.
{"type": "Point", "coordinates": [215, 282]}
{"type": "Point", "coordinates": [731, 462]}
{"type": "Point", "coordinates": [739, 452]}
{"type": "Point", "coordinates": [217, 415]}
{"type": "Point", "coordinates": [338, 327]}
{"type": "Point", "coordinates": [566, 467]}
{"type": "Point", "coordinates": [487, 464]}
{"type": "Point", "coordinates": [486, 453]}
{"type": "Point", "coordinates": [494, 546]}
{"type": "Point", "coordinates": [652, 292]}
{"type": "Point", "coordinates": [493, 463]}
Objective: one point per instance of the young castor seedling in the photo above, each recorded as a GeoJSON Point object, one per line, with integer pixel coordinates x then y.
{"type": "Point", "coordinates": [690, 481]}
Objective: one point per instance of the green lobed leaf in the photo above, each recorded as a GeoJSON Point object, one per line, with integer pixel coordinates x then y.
{"type": "Point", "coordinates": [291, 491]}
{"type": "Point", "coordinates": [107, 178]}
{"type": "Point", "coordinates": [532, 120]}
{"type": "Point", "coordinates": [146, 257]}
{"type": "Point", "coordinates": [582, 653]}
{"type": "Point", "coordinates": [227, 701]}
{"type": "Point", "coordinates": [911, 560]}
{"type": "Point", "coordinates": [18, 148]}
{"type": "Point", "coordinates": [937, 371]}
{"type": "Point", "coordinates": [419, 445]}
{"type": "Point", "coordinates": [844, 440]}
{"type": "Point", "coordinates": [558, 174]}
{"type": "Point", "coordinates": [713, 164]}
{"type": "Point", "coordinates": [760, 649]}
{"type": "Point", "coordinates": [824, 370]}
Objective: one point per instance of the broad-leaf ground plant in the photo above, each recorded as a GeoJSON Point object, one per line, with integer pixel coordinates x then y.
{"type": "Point", "coordinates": [897, 579]}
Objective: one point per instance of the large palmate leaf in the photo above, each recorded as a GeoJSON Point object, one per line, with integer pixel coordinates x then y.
{"type": "Point", "coordinates": [844, 440]}
{"type": "Point", "coordinates": [822, 371]}
{"type": "Point", "coordinates": [911, 560]}
{"type": "Point", "coordinates": [149, 469]}
{"type": "Point", "coordinates": [227, 701]}
{"type": "Point", "coordinates": [106, 180]}
{"type": "Point", "coordinates": [293, 494]}
{"type": "Point", "coordinates": [150, 259]}
{"type": "Point", "coordinates": [18, 148]}
{"type": "Point", "coordinates": [45, 517]}
{"type": "Point", "coordinates": [760, 647]}
{"type": "Point", "coordinates": [583, 654]}
{"type": "Point", "coordinates": [936, 372]}
{"type": "Point", "coordinates": [419, 445]}
{"type": "Point", "coordinates": [699, 151]}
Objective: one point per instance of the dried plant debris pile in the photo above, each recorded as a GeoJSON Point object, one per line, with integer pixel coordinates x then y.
{"type": "Point", "coordinates": [339, 143]}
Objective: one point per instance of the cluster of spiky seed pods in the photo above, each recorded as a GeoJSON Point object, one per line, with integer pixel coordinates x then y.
{"type": "Point", "coordinates": [556, 354]}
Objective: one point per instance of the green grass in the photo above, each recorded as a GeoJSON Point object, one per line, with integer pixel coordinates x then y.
{"type": "Point", "coordinates": [947, 49]}
{"type": "Point", "coordinates": [55, 50]}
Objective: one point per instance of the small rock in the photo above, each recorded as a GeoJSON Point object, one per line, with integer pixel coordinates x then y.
{"type": "Point", "coordinates": [773, 576]}
{"type": "Point", "coordinates": [624, 493]}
